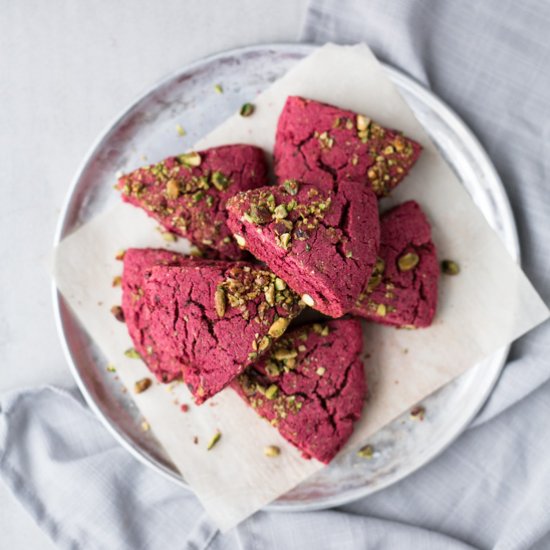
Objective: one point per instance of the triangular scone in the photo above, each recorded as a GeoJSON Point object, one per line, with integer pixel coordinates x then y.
{"type": "Point", "coordinates": [217, 318]}
{"type": "Point", "coordinates": [403, 288]}
{"type": "Point", "coordinates": [138, 263]}
{"type": "Point", "coordinates": [310, 386]}
{"type": "Point", "coordinates": [319, 144]}
{"type": "Point", "coordinates": [323, 244]}
{"type": "Point", "coordinates": [186, 194]}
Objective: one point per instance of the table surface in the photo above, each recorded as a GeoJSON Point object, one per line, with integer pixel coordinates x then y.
{"type": "Point", "coordinates": [64, 75]}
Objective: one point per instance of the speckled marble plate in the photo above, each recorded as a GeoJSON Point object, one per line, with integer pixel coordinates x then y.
{"type": "Point", "coordinates": [148, 128]}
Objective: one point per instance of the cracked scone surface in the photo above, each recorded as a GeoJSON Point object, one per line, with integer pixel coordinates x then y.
{"type": "Point", "coordinates": [322, 243]}
{"type": "Point", "coordinates": [138, 264]}
{"type": "Point", "coordinates": [320, 144]}
{"type": "Point", "coordinates": [217, 318]}
{"type": "Point", "coordinates": [186, 194]}
{"type": "Point", "coordinates": [403, 288]}
{"type": "Point", "coordinates": [311, 386]}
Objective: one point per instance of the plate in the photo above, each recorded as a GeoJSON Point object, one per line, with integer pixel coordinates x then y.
{"type": "Point", "coordinates": [146, 132]}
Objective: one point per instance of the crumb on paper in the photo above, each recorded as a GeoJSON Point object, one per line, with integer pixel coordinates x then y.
{"type": "Point", "coordinates": [213, 441]}
{"type": "Point", "coordinates": [117, 281]}
{"type": "Point", "coordinates": [110, 367]}
{"type": "Point", "coordinates": [120, 254]}
{"type": "Point", "coordinates": [218, 88]}
{"type": "Point", "coordinates": [272, 451]}
{"type": "Point", "coordinates": [184, 407]}
{"type": "Point", "coordinates": [180, 130]}
{"type": "Point", "coordinates": [366, 451]}
{"type": "Point", "coordinates": [196, 440]}
{"type": "Point", "coordinates": [145, 426]}
{"type": "Point", "coordinates": [418, 413]}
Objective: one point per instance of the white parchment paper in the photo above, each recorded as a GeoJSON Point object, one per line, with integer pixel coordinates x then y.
{"type": "Point", "coordinates": [487, 306]}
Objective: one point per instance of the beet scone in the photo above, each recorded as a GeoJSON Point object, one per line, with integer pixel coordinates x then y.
{"type": "Point", "coordinates": [138, 263]}
{"type": "Point", "coordinates": [311, 386]}
{"type": "Point", "coordinates": [186, 194]}
{"type": "Point", "coordinates": [318, 143]}
{"type": "Point", "coordinates": [217, 318]}
{"type": "Point", "coordinates": [323, 244]}
{"type": "Point", "coordinates": [403, 289]}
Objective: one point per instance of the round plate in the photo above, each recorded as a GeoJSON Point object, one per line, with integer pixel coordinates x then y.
{"type": "Point", "coordinates": [146, 132]}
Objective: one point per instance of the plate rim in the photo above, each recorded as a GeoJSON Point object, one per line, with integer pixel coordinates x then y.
{"type": "Point", "coordinates": [407, 82]}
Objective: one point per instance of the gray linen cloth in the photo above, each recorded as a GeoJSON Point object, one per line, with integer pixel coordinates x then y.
{"type": "Point", "coordinates": [490, 61]}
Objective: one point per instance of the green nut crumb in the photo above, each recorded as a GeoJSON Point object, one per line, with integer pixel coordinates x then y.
{"type": "Point", "coordinates": [247, 109]}
{"type": "Point", "coordinates": [213, 441]}
{"type": "Point", "coordinates": [131, 353]}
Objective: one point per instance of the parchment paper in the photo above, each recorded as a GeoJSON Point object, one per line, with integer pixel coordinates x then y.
{"type": "Point", "coordinates": [487, 306]}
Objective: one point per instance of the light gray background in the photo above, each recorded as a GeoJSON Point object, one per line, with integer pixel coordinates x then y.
{"type": "Point", "coordinates": [66, 70]}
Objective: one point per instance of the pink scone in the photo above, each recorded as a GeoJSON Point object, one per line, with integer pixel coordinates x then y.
{"type": "Point", "coordinates": [403, 289]}
{"type": "Point", "coordinates": [217, 318]}
{"type": "Point", "coordinates": [321, 144]}
{"type": "Point", "coordinates": [187, 194]}
{"type": "Point", "coordinates": [323, 244]}
{"type": "Point", "coordinates": [311, 386]}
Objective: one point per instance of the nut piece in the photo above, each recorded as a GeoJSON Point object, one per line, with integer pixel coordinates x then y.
{"type": "Point", "coordinates": [219, 181]}
{"type": "Point", "coordinates": [366, 452]}
{"type": "Point", "coordinates": [118, 313]}
{"type": "Point", "coordinates": [169, 237]}
{"type": "Point", "coordinates": [408, 261]}
{"type": "Point", "coordinates": [190, 159]}
{"type": "Point", "coordinates": [271, 392]}
{"type": "Point", "coordinates": [278, 327]}
{"type": "Point", "coordinates": [320, 371]}
{"type": "Point", "coordinates": [449, 267]}
{"type": "Point", "coordinates": [141, 385]}
{"type": "Point", "coordinates": [240, 240]}
{"type": "Point", "coordinates": [220, 301]}
{"type": "Point", "coordinates": [308, 300]}
{"type": "Point", "coordinates": [280, 212]}
{"type": "Point", "coordinates": [264, 343]}
{"type": "Point", "coordinates": [362, 122]}
{"type": "Point", "coordinates": [131, 353]}
{"type": "Point", "coordinates": [215, 438]}
{"type": "Point", "coordinates": [418, 413]}
{"type": "Point", "coordinates": [172, 189]}
{"type": "Point", "coordinates": [381, 310]}
{"type": "Point", "coordinates": [272, 450]}
{"type": "Point", "coordinates": [280, 284]}
{"type": "Point", "coordinates": [247, 109]}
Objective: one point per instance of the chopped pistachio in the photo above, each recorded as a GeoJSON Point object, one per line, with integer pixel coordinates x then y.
{"type": "Point", "coordinates": [272, 369]}
{"type": "Point", "coordinates": [285, 240]}
{"type": "Point", "coordinates": [218, 88]}
{"type": "Point", "coordinates": [190, 159]}
{"type": "Point", "coordinates": [215, 438]}
{"type": "Point", "coordinates": [172, 189]}
{"type": "Point", "coordinates": [271, 451]}
{"type": "Point", "coordinates": [278, 327]}
{"type": "Point", "coordinates": [264, 343]}
{"type": "Point", "coordinates": [291, 187]}
{"type": "Point", "coordinates": [271, 392]}
{"type": "Point", "coordinates": [118, 314]}
{"type": "Point", "coordinates": [308, 300]}
{"type": "Point", "coordinates": [247, 109]}
{"type": "Point", "coordinates": [349, 254]}
{"type": "Point", "coordinates": [131, 353]}
{"type": "Point", "coordinates": [362, 123]}
{"type": "Point", "coordinates": [270, 295]}
{"type": "Point", "coordinates": [320, 371]}
{"type": "Point", "coordinates": [282, 354]}
{"type": "Point", "coordinates": [220, 301]}
{"type": "Point", "coordinates": [280, 212]}
{"type": "Point", "coordinates": [381, 310]}
{"type": "Point", "coordinates": [141, 385]}
{"type": "Point", "coordinates": [408, 261]}
{"type": "Point", "coordinates": [219, 180]}
{"type": "Point", "coordinates": [198, 196]}
{"type": "Point", "coordinates": [449, 267]}
{"type": "Point", "coordinates": [280, 284]}
{"type": "Point", "coordinates": [366, 452]}
{"type": "Point", "coordinates": [240, 240]}
{"type": "Point", "coordinates": [169, 237]}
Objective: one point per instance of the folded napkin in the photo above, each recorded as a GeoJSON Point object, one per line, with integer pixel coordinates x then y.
{"type": "Point", "coordinates": [490, 61]}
